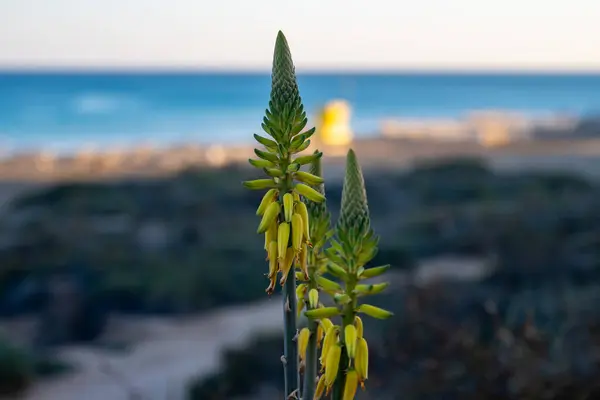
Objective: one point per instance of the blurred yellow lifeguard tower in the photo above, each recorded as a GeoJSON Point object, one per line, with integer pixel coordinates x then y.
{"type": "Point", "coordinates": [333, 126]}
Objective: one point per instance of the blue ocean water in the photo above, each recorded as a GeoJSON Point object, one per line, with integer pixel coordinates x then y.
{"type": "Point", "coordinates": [62, 111]}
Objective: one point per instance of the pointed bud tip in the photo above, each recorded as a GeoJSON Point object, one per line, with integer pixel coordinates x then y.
{"type": "Point", "coordinates": [281, 41]}
{"type": "Point", "coordinates": [352, 159]}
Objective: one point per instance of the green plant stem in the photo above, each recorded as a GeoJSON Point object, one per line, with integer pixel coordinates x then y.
{"type": "Point", "coordinates": [338, 387]}
{"type": "Point", "coordinates": [310, 366]}
{"type": "Point", "coordinates": [310, 370]}
{"type": "Point", "coordinates": [290, 348]}
{"type": "Point", "coordinates": [347, 319]}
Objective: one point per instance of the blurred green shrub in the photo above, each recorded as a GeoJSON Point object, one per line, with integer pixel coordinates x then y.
{"type": "Point", "coordinates": [244, 371]}
{"type": "Point", "coordinates": [16, 369]}
{"type": "Point", "coordinates": [530, 221]}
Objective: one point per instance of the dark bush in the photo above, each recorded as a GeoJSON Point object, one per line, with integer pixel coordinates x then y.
{"type": "Point", "coordinates": [16, 369]}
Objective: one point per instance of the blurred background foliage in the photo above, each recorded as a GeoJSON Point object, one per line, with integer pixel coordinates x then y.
{"type": "Point", "coordinates": [175, 245]}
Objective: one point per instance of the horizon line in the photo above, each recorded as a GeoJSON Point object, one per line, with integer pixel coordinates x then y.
{"type": "Point", "coordinates": [151, 69]}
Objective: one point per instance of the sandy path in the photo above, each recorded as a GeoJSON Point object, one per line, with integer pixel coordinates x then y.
{"type": "Point", "coordinates": [10, 190]}
{"type": "Point", "coordinates": [161, 365]}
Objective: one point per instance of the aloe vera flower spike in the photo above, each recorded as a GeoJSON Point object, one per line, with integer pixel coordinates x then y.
{"type": "Point", "coordinates": [283, 217]}
{"type": "Point", "coordinates": [344, 354]}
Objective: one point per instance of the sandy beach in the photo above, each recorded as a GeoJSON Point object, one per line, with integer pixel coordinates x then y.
{"type": "Point", "coordinates": [27, 172]}
{"type": "Point", "coordinates": [20, 170]}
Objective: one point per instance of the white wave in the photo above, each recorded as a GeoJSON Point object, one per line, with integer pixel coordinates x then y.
{"type": "Point", "coordinates": [99, 103]}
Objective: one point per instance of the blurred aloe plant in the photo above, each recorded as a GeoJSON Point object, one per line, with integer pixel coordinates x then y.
{"type": "Point", "coordinates": [301, 246]}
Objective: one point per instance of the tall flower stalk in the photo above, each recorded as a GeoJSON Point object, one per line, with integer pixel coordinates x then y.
{"type": "Point", "coordinates": [285, 222]}
{"type": "Point", "coordinates": [301, 247]}
{"type": "Point", "coordinates": [344, 353]}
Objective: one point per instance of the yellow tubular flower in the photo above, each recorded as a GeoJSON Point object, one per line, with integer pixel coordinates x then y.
{"type": "Point", "coordinates": [303, 337]}
{"type": "Point", "coordinates": [332, 364]}
{"type": "Point", "coordinates": [300, 307]}
{"type": "Point", "coordinates": [269, 217]}
{"type": "Point", "coordinates": [326, 324]}
{"type": "Point", "coordinates": [287, 265]}
{"type": "Point", "coordinates": [320, 335]}
{"type": "Point", "coordinates": [309, 178]}
{"type": "Point", "coordinates": [322, 312]}
{"type": "Point", "coordinates": [303, 211]}
{"type": "Point", "coordinates": [329, 340]}
{"type": "Point", "coordinates": [359, 326]}
{"type": "Point", "coordinates": [313, 298]}
{"type": "Point", "coordinates": [350, 386]}
{"type": "Point", "coordinates": [283, 237]}
{"type": "Point", "coordinates": [303, 260]}
{"type": "Point", "coordinates": [259, 184]}
{"type": "Point", "coordinates": [350, 340]}
{"type": "Point", "coordinates": [288, 206]}
{"type": "Point", "coordinates": [361, 362]}
{"type": "Point", "coordinates": [301, 290]}
{"type": "Point", "coordinates": [271, 234]}
{"type": "Point", "coordinates": [374, 312]}
{"type": "Point", "coordinates": [320, 388]}
{"type": "Point", "coordinates": [266, 201]}
{"type": "Point", "coordinates": [297, 232]}
{"type": "Point", "coordinates": [309, 193]}
{"type": "Point", "coordinates": [271, 288]}
{"type": "Point", "coordinates": [272, 258]}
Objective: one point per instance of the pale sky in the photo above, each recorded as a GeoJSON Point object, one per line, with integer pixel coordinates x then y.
{"type": "Point", "coordinates": [437, 34]}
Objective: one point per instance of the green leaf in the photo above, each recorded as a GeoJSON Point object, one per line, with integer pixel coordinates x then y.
{"type": "Point", "coordinates": [328, 285]}
{"type": "Point", "coordinates": [365, 258]}
{"type": "Point", "coordinates": [334, 256]}
{"type": "Point", "coordinates": [341, 298]}
{"type": "Point", "coordinates": [337, 246]}
{"type": "Point", "coordinates": [266, 156]}
{"type": "Point", "coordinates": [298, 127]}
{"type": "Point", "coordinates": [302, 147]}
{"type": "Point", "coordinates": [337, 271]}
{"type": "Point", "coordinates": [264, 141]}
{"type": "Point", "coordinates": [373, 272]}
{"type": "Point", "coordinates": [366, 290]}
